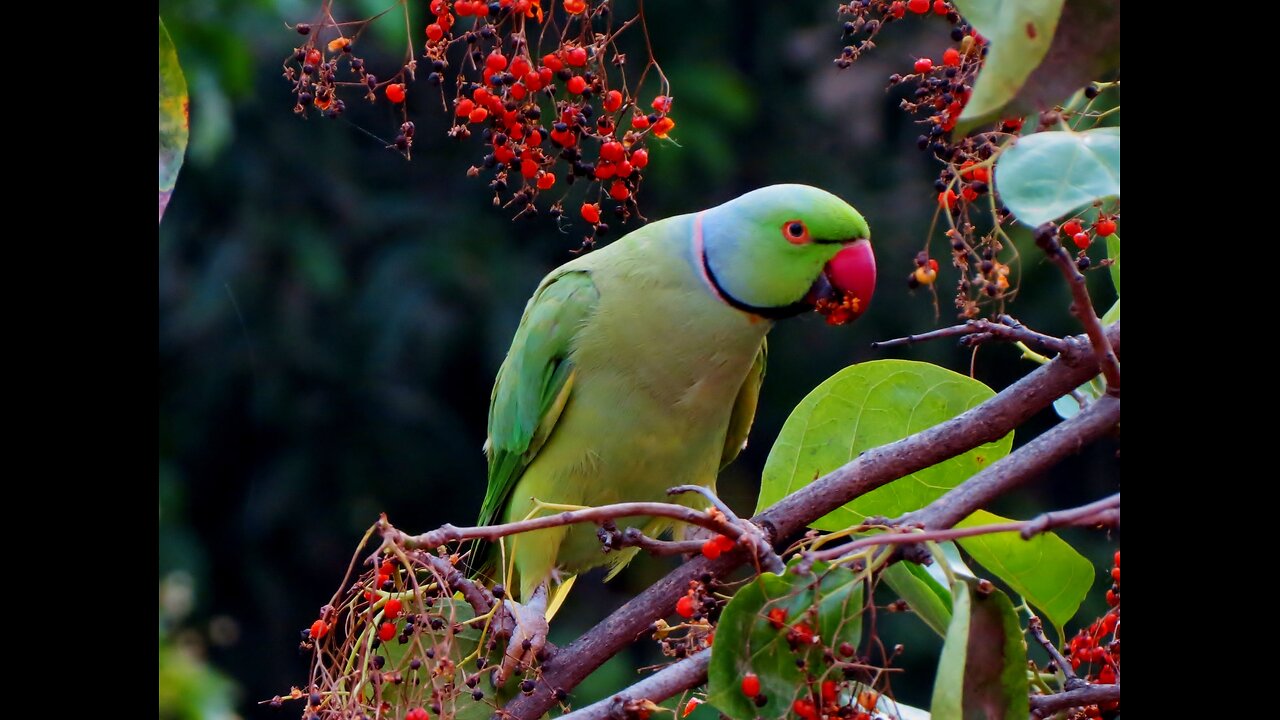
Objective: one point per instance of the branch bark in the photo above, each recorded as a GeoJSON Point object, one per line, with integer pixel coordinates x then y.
{"type": "Point", "coordinates": [1042, 705]}
{"type": "Point", "coordinates": [874, 468]}
{"type": "Point", "coordinates": [667, 682]}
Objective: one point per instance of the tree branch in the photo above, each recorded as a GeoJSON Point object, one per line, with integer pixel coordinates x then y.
{"type": "Point", "coordinates": [1042, 705]}
{"type": "Point", "coordinates": [989, 421]}
{"type": "Point", "coordinates": [667, 682]}
{"type": "Point", "coordinates": [975, 332]}
{"type": "Point", "coordinates": [450, 533]}
{"type": "Point", "coordinates": [1086, 515]}
{"type": "Point", "coordinates": [1082, 305]}
{"type": "Point", "coordinates": [1071, 682]}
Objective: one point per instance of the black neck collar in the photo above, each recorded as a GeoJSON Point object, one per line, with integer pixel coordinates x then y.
{"type": "Point", "coordinates": [772, 313]}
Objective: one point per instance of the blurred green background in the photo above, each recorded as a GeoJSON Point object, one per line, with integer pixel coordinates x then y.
{"type": "Point", "coordinates": [331, 316]}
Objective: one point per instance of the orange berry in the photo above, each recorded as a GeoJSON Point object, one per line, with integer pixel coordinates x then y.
{"type": "Point", "coordinates": [951, 58]}
{"type": "Point", "coordinates": [663, 126]}
{"type": "Point", "coordinates": [684, 606]}
{"type": "Point", "coordinates": [868, 699]}
{"type": "Point", "coordinates": [319, 629]}
{"type": "Point", "coordinates": [478, 115]}
{"type": "Point", "coordinates": [545, 181]}
{"type": "Point", "coordinates": [590, 212]}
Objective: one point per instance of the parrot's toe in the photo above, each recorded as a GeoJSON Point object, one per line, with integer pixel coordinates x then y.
{"type": "Point", "coordinates": [528, 637]}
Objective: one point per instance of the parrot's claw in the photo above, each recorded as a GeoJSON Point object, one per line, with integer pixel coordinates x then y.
{"type": "Point", "coordinates": [528, 636]}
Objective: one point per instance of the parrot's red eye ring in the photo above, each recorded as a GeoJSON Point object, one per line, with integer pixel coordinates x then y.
{"type": "Point", "coordinates": [796, 232]}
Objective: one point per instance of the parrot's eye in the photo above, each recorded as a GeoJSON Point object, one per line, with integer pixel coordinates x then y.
{"type": "Point", "coordinates": [795, 232]}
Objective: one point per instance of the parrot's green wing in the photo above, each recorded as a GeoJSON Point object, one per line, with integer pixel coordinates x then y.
{"type": "Point", "coordinates": [533, 384]}
{"type": "Point", "coordinates": [744, 408]}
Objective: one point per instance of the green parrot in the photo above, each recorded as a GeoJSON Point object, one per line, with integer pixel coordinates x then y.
{"type": "Point", "coordinates": [637, 367]}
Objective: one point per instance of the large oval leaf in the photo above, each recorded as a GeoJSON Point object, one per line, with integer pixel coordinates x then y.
{"type": "Point", "coordinates": [1044, 570]}
{"type": "Point", "coordinates": [1046, 175]}
{"type": "Point", "coordinates": [173, 117]}
{"type": "Point", "coordinates": [1020, 32]}
{"type": "Point", "coordinates": [865, 406]}
{"type": "Point", "coordinates": [747, 641]}
{"type": "Point", "coordinates": [982, 674]}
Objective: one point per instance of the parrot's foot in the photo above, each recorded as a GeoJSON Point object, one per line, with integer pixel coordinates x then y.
{"type": "Point", "coordinates": [528, 635]}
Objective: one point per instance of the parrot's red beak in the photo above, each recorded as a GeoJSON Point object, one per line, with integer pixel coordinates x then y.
{"type": "Point", "coordinates": [843, 290]}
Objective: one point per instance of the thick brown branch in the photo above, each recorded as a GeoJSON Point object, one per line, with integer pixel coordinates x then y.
{"type": "Point", "coordinates": [1029, 461]}
{"type": "Point", "coordinates": [1044, 705]}
{"type": "Point", "coordinates": [1082, 306]}
{"type": "Point", "coordinates": [477, 597]}
{"type": "Point", "coordinates": [989, 421]}
{"type": "Point", "coordinates": [667, 682]}
{"type": "Point", "coordinates": [1086, 515]}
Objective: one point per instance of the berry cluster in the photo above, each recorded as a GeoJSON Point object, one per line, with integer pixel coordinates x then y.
{"type": "Point", "coordinates": [549, 113]}
{"type": "Point", "coordinates": [699, 608]}
{"type": "Point", "coordinates": [866, 18]}
{"type": "Point", "coordinates": [393, 646]}
{"type": "Point", "coordinates": [1097, 650]}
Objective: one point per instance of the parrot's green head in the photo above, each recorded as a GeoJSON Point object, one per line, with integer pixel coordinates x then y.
{"type": "Point", "coordinates": [779, 250]}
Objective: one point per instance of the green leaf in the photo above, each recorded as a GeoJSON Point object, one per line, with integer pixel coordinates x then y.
{"type": "Point", "coordinates": [173, 117]}
{"type": "Point", "coordinates": [1045, 570]}
{"type": "Point", "coordinates": [1112, 315]}
{"type": "Point", "coordinates": [1046, 175]}
{"type": "Point", "coordinates": [1067, 406]}
{"type": "Point", "coordinates": [746, 640]}
{"type": "Point", "coordinates": [865, 406]}
{"type": "Point", "coordinates": [1113, 252]}
{"type": "Point", "coordinates": [982, 673]}
{"type": "Point", "coordinates": [1020, 32]}
{"type": "Point", "coordinates": [926, 597]}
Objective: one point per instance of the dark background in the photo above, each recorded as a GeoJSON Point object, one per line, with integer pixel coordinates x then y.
{"type": "Point", "coordinates": [331, 316]}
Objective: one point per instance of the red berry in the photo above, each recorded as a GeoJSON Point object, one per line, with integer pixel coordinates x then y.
{"type": "Point", "coordinates": [804, 633]}
{"type": "Point", "coordinates": [438, 7]}
{"type": "Point", "coordinates": [804, 708]}
{"type": "Point", "coordinates": [918, 7]}
{"type": "Point", "coordinates": [1115, 575]}
{"type": "Point", "coordinates": [710, 550]}
{"type": "Point", "coordinates": [684, 606]}
{"type": "Point", "coordinates": [504, 154]}
{"type": "Point", "coordinates": [590, 213]}
{"type": "Point", "coordinates": [725, 542]}
{"type": "Point", "coordinates": [417, 714]}
{"type": "Point", "coordinates": [465, 106]}
{"type": "Point", "coordinates": [1081, 239]}
{"type": "Point", "coordinates": [933, 265]}
{"type": "Point", "coordinates": [520, 66]}
{"type": "Point", "coordinates": [392, 609]}
{"type": "Point", "coordinates": [828, 691]}
{"type": "Point", "coordinates": [1071, 227]}
{"type": "Point", "coordinates": [577, 57]}
{"type": "Point", "coordinates": [319, 629]}
{"type": "Point", "coordinates": [386, 631]}
{"type": "Point", "coordinates": [577, 84]}
{"type": "Point", "coordinates": [969, 194]}
{"type": "Point", "coordinates": [496, 61]}
{"type": "Point", "coordinates": [951, 58]}
{"type": "Point", "coordinates": [940, 7]}
{"type": "Point", "coordinates": [618, 191]}
{"type": "Point", "coordinates": [478, 115]}
{"type": "Point", "coordinates": [1104, 227]}
{"type": "Point", "coordinates": [314, 57]}
{"type": "Point", "coordinates": [528, 168]}
{"type": "Point", "coordinates": [624, 169]}
{"type": "Point", "coordinates": [750, 685]}
{"type": "Point", "coordinates": [575, 7]}
{"type": "Point", "coordinates": [612, 151]}
{"type": "Point", "coordinates": [395, 93]}
{"type": "Point", "coordinates": [661, 104]}
{"type": "Point", "coordinates": [947, 199]}
{"type": "Point", "coordinates": [613, 101]}
{"type": "Point", "coordinates": [639, 122]}
{"type": "Point", "coordinates": [464, 8]}
{"type": "Point", "coordinates": [435, 33]}
{"type": "Point", "coordinates": [690, 706]}
{"type": "Point", "coordinates": [1117, 558]}
{"type": "Point", "coordinates": [897, 8]}
{"type": "Point", "coordinates": [777, 617]}
{"type": "Point", "coordinates": [1112, 598]}
{"type": "Point", "coordinates": [924, 65]}
{"type": "Point", "coordinates": [663, 126]}
{"type": "Point", "coordinates": [546, 180]}
{"type": "Point", "coordinates": [640, 158]}
{"type": "Point", "coordinates": [553, 62]}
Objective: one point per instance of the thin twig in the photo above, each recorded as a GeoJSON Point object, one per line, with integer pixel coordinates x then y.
{"type": "Point", "coordinates": [450, 533]}
{"type": "Point", "coordinates": [633, 537]}
{"type": "Point", "coordinates": [975, 332]}
{"type": "Point", "coordinates": [1072, 682]}
{"type": "Point", "coordinates": [989, 421]}
{"type": "Point", "coordinates": [706, 493]}
{"type": "Point", "coordinates": [1082, 306]}
{"type": "Point", "coordinates": [1044, 705]}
